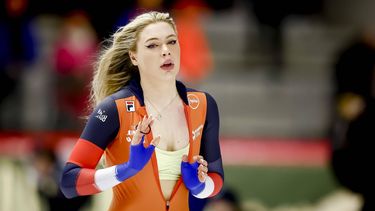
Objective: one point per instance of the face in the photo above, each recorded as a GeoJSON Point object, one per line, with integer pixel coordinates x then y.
{"type": "Point", "coordinates": [158, 52]}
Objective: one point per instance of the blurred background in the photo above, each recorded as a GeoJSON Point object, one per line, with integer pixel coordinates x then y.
{"type": "Point", "coordinates": [294, 82]}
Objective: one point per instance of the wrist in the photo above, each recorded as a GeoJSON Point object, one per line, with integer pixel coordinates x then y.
{"type": "Point", "coordinates": [124, 171]}
{"type": "Point", "coordinates": [208, 190]}
{"type": "Point", "coordinates": [198, 188]}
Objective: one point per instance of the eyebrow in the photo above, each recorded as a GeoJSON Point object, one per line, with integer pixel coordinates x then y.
{"type": "Point", "coordinates": [154, 38]}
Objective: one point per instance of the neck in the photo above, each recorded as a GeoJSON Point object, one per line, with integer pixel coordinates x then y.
{"type": "Point", "coordinates": [159, 92]}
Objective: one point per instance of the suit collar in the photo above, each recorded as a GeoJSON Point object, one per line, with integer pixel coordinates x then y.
{"type": "Point", "coordinates": [136, 88]}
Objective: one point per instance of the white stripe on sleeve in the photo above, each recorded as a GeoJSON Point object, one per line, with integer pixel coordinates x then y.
{"type": "Point", "coordinates": [106, 178]}
{"type": "Point", "coordinates": [208, 189]}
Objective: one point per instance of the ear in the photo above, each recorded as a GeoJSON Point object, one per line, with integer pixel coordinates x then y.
{"type": "Point", "coordinates": [133, 58]}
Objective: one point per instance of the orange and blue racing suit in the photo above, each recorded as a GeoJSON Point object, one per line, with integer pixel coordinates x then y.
{"type": "Point", "coordinates": [109, 130]}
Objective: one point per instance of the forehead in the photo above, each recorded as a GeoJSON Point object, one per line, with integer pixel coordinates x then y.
{"type": "Point", "coordinates": [158, 30]}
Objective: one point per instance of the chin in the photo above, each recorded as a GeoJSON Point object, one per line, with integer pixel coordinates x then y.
{"type": "Point", "coordinates": [170, 72]}
{"type": "Point", "coordinates": [169, 76]}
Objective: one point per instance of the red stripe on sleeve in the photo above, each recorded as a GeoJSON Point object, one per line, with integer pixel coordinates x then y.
{"type": "Point", "coordinates": [85, 154]}
{"type": "Point", "coordinates": [218, 181]}
{"type": "Point", "coordinates": [86, 182]}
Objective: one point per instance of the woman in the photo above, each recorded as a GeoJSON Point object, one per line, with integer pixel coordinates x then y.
{"type": "Point", "coordinates": [140, 109]}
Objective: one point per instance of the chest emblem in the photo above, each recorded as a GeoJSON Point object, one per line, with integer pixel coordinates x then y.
{"type": "Point", "coordinates": [101, 116]}
{"type": "Point", "coordinates": [130, 106]}
{"type": "Point", "coordinates": [193, 101]}
{"type": "Point", "coordinates": [197, 132]}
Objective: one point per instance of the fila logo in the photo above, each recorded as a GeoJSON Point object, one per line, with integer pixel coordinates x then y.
{"type": "Point", "coordinates": [130, 107]}
{"type": "Point", "coordinates": [193, 101]}
{"type": "Point", "coordinates": [197, 132]}
{"type": "Point", "coordinates": [101, 116]}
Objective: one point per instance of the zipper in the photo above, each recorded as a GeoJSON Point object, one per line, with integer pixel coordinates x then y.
{"type": "Point", "coordinates": [179, 182]}
{"type": "Point", "coordinates": [177, 185]}
{"type": "Point", "coordinates": [167, 204]}
{"type": "Point", "coordinates": [155, 162]}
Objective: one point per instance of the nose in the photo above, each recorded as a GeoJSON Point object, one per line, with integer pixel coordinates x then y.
{"type": "Point", "coordinates": [165, 51]}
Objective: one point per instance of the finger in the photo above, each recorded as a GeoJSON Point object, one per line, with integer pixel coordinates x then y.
{"type": "Point", "coordinates": [201, 176]}
{"type": "Point", "coordinates": [203, 168]}
{"type": "Point", "coordinates": [185, 158]}
{"type": "Point", "coordinates": [200, 158]}
{"type": "Point", "coordinates": [152, 120]}
{"type": "Point", "coordinates": [138, 127]}
{"type": "Point", "coordinates": [136, 137]}
{"type": "Point", "coordinates": [197, 158]}
{"type": "Point", "coordinates": [147, 124]}
{"type": "Point", "coordinates": [144, 118]}
{"type": "Point", "coordinates": [144, 124]}
{"type": "Point", "coordinates": [149, 120]}
{"type": "Point", "coordinates": [155, 141]}
{"type": "Point", "coordinates": [203, 162]}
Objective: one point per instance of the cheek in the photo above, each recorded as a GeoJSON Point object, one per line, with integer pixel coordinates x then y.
{"type": "Point", "coordinates": [151, 57]}
{"type": "Point", "coordinates": [177, 49]}
{"type": "Point", "coordinates": [177, 54]}
{"type": "Point", "coordinates": [147, 59]}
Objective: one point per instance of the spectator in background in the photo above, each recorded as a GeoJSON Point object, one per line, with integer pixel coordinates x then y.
{"type": "Point", "coordinates": [17, 47]}
{"type": "Point", "coordinates": [196, 60]}
{"type": "Point", "coordinates": [48, 170]}
{"type": "Point", "coordinates": [75, 51]}
{"type": "Point", "coordinates": [354, 116]}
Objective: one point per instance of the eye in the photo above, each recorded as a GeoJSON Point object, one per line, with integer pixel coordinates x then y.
{"type": "Point", "coordinates": [151, 46]}
{"type": "Point", "coordinates": [172, 42]}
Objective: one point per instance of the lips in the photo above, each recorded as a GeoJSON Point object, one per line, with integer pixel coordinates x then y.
{"type": "Point", "coordinates": [167, 65]}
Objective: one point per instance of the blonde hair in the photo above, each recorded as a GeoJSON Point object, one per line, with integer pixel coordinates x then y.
{"type": "Point", "coordinates": [114, 68]}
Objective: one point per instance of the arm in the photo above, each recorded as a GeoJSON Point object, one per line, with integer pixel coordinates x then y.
{"type": "Point", "coordinates": [80, 176]}
{"type": "Point", "coordinates": [209, 185]}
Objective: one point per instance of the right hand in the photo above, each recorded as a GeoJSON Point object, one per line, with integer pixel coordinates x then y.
{"type": "Point", "coordinates": [144, 126]}
{"type": "Point", "coordinates": [139, 154]}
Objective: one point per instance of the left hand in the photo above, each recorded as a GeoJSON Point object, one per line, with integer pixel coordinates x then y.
{"type": "Point", "coordinates": [202, 169]}
{"type": "Point", "coordinates": [194, 174]}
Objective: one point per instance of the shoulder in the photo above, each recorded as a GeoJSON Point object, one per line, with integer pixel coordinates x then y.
{"type": "Point", "coordinates": [110, 101]}
{"type": "Point", "coordinates": [194, 95]}
{"type": "Point", "coordinates": [124, 92]}
{"type": "Point", "coordinates": [208, 96]}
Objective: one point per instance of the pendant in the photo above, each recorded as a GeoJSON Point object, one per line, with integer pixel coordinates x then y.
{"type": "Point", "coordinates": [158, 117]}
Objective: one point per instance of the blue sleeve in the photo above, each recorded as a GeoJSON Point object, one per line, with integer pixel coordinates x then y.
{"type": "Point", "coordinates": [210, 148]}
{"type": "Point", "coordinates": [101, 128]}
{"type": "Point", "coordinates": [103, 124]}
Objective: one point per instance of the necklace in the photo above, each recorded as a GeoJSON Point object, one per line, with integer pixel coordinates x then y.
{"type": "Point", "coordinates": [159, 116]}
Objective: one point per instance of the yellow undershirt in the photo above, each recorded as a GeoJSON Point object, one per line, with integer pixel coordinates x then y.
{"type": "Point", "coordinates": [169, 163]}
